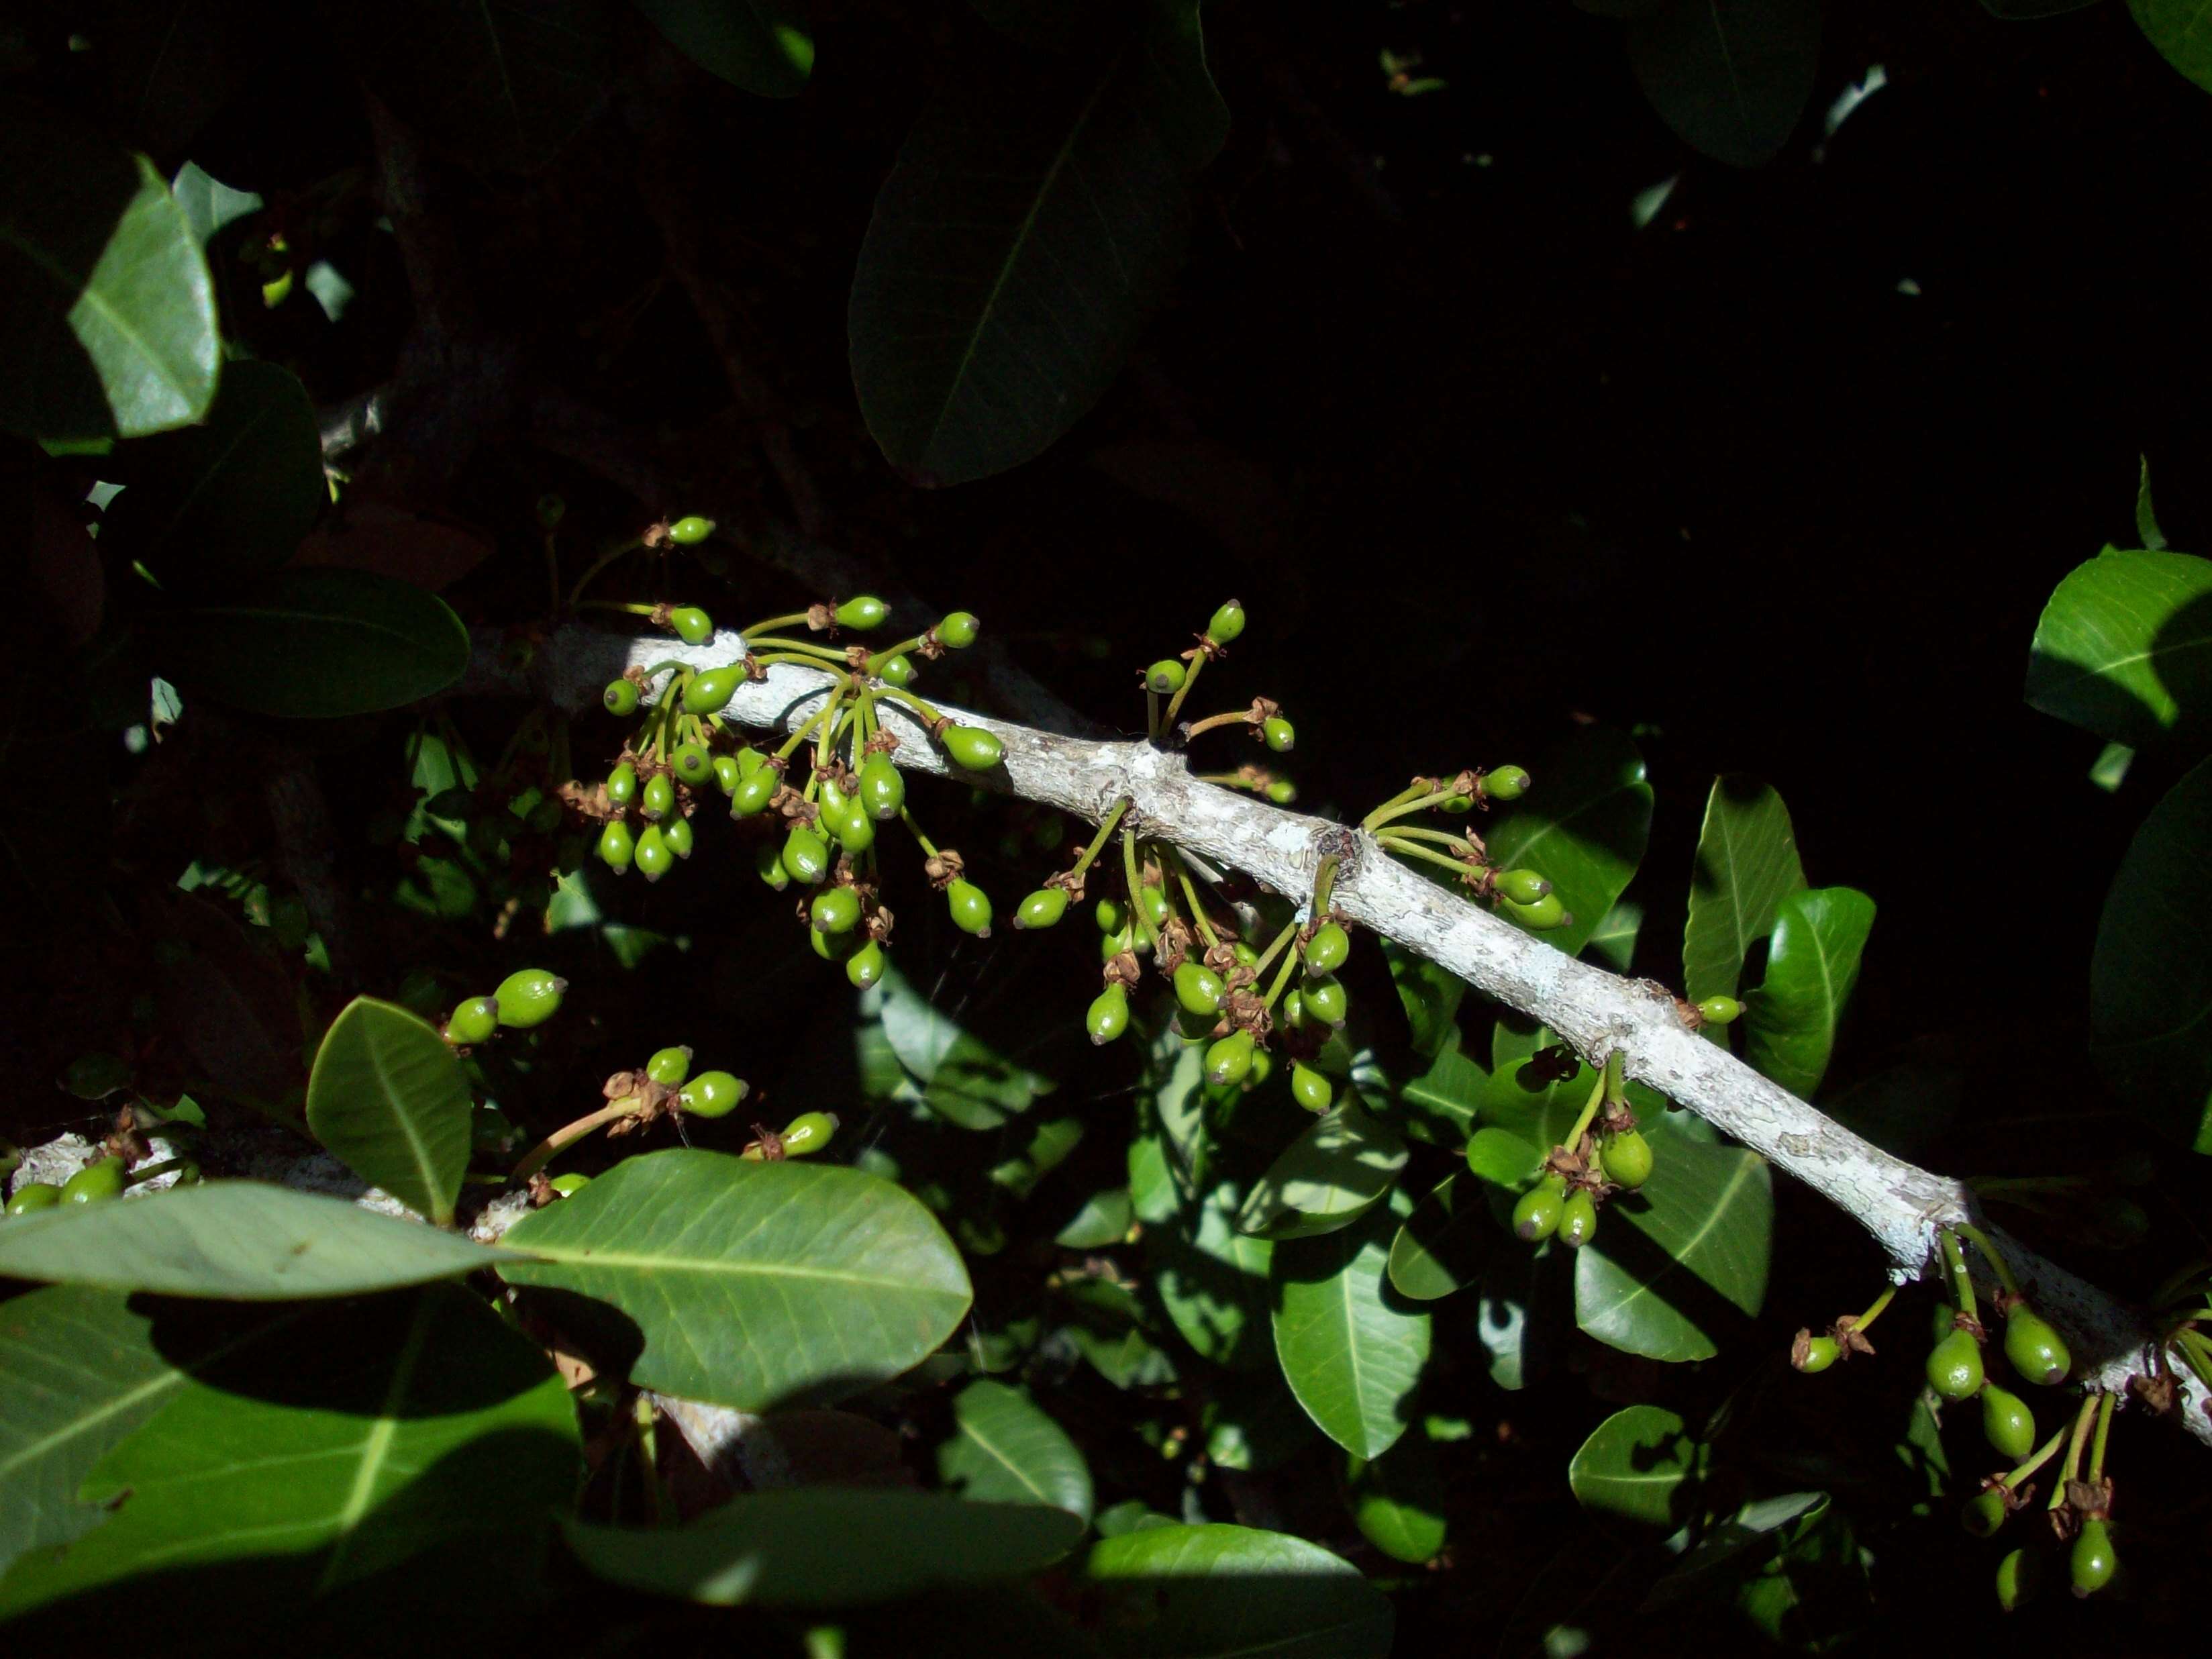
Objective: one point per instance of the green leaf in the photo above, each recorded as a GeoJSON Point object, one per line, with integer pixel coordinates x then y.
{"type": "Point", "coordinates": [318, 644]}
{"type": "Point", "coordinates": [1674, 1264]}
{"type": "Point", "coordinates": [207, 203]}
{"type": "Point", "coordinates": [1397, 1501]}
{"type": "Point", "coordinates": [1441, 1247]}
{"type": "Point", "coordinates": [963, 1079]}
{"type": "Point", "coordinates": [388, 1097]}
{"type": "Point", "coordinates": [1431, 995]}
{"type": "Point", "coordinates": [1812, 965]}
{"type": "Point", "coordinates": [1221, 1592]}
{"type": "Point", "coordinates": [1640, 1463]}
{"type": "Point", "coordinates": [1582, 827]}
{"type": "Point", "coordinates": [1613, 945]}
{"type": "Point", "coordinates": [2182, 31]}
{"type": "Point", "coordinates": [1103, 1219]}
{"type": "Point", "coordinates": [2124, 648]}
{"type": "Point", "coordinates": [1213, 1280]}
{"type": "Point", "coordinates": [764, 47]}
{"type": "Point", "coordinates": [1729, 76]}
{"type": "Point", "coordinates": [1006, 1450]}
{"type": "Point", "coordinates": [107, 317]}
{"type": "Point", "coordinates": [499, 86]}
{"type": "Point", "coordinates": [2150, 976]}
{"type": "Point", "coordinates": [2147, 526]}
{"type": "Point", "coordinates": [1747, 864]}
{"type": "Point", "coordinates": [1342, 1166]}
{"type": "Point", "coordinates": [1034, 221]}
{"type": "Point", "coordinates": [753, 1285]}
{"type": "Point", "coordinates": [330, 1447]}
{"type": "Point", "coordinates": [228, 499]}
{"type": "Point", "coordinates": [1440, 1105]}
{"type": "Point", "coordinates": [1521, 1315]}
{"type": "Point", "coordinates": [242, 1240]}
{"type": "Point", "coordinates": [1352, 1353]}
{"type": "Point", "coordinates": [826, 1546]}
{"type": "Point", "coordinates": [1253, 1423]}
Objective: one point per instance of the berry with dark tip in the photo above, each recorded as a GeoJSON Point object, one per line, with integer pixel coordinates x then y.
{"type": "Point", "coordinates": [473, 1021]}
{"type": "Point", "coordinates": [692, 625]}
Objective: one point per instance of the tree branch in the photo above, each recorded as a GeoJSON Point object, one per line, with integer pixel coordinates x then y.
{"type": "Point", "coordinates": [1600, 1014]}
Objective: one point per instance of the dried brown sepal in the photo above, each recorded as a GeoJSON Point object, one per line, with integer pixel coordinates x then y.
{"type": "Point", "coordinates": [623, 1084]}
{"type": "Point", "coordinates": [541, 1191]}
{"type": "Point", "coordinates": [1849, 1339]}
{"type": "Point", "coordinates": [879, 924]}
{"type": "Point", "coordinates": [856, 658]}
{"type": "Point", "coordinates": [2155, 1391]}
{"type": "Point", "coordinates": [1262, 710]}
{"type": "Point", "coordinates": [1123, 970]}
{"type": "Point", "coordinates": [767, 1145]}
{"type": "Point", "coordinates": [1800, 1348]}
{"type": "Point", "coordinates": [821, 616]}
{"type": "Point", "coordinates": [793, 805]}
{"type": "Point", "coordinates": [1221, 957]}
{"type": "Point", "coordinates": [1070, 882]}
{"type": "Point", "coordinates": [1616, 1117]}
{"type": "Point", "coordinates": [1481, 876]}
{"type": "Point", "coordinates": [1963, 1321]}
{"type": "Point", "coordinates": [1243, 1009]}
{"type": "Point", "coordinates": [656, 535]}
{"type": "Point", "coordinates": [1687, 1011]}
{"type": "Point", "coordinates": [2091, 1499]}
{"type": "Point", "coordinates": [930, 648]}
{"type": "Point", "coordinates": [1208, 647]}
{"type": "Point", "coordinates": [880, 742]}
{"type": "Point", "coordinates": [943, 868]}
{"type": "Point", "coordinates": [937, 727]}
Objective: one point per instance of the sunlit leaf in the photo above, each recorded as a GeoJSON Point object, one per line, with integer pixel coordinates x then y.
{"type": "Point", "coordinates": [1746, 863]}
{"type": "Point", "coordinates": [1583, 826]}
{"type": "Point", "coordinates": [388, 1096]}
{"type": "Point", "coordinates": [1812, 966]}
{"type": "Point", "coordinates": [1213, 1280]}
{"type": "Point", "coordinates": [1005, 1449]}
{"type": "Point", "coordinates": [1223, 1592]}
{"type": "Point", "coordinates": [1430, 994]}
{"type": "Point", "coordinates": [1729, 76]}
{"type": "Point", "coordinates": [1638, 1463]}
{"type": "Point", "coordinates": [2124, 648]}
{"type": "Point", "coordinates": [1398, 1500]}
{"type": "Point", "coordinates": [1441, 1247]}
{"type": "Point", "coordinates": [1353, 1352]}
{"type": "Point", "coordinates": [1341, 1166]}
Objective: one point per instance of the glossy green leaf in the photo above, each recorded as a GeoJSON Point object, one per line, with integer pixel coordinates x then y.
{"type": "Point", "coordinates": [1005, 1449]}
{"type": "Point", "coordinates": [1439, 1106]}
{"type": "Point", "coordinates": [503, 86]}
{"type": "Point", "coordinates": [108, 316]}
{"type": "Point", "coordinates": [753, 1285]}
{"type": "Point", "coordinates": [2147, 530]}
{"type": "Point", "coordinates": [1431, 997]}
{"type": "Point", "coordinates": [1747, 864]}
{"type": "Point", "coordinates": [2124, 648]}
{"type": "Point", "coordinates": [1103, 1219]}
{"type": "Point", "coordinates": [388, 1097]}
{"type": "Point", "coordinates": [1213, 1280]}
{"type": "Point", "coordinates": [1221, 1592]}
{"type": "Point", "coordinates": [1038, 1147]}
{"type": "Point", "coordinates": [765, 46]}
{"type": "Point", "coordinates": [1726, 1549]}
{"type": "Point", "coordinates": [1340, 1168]}
{"type": "Point", "coordinates": [1351, 1351]}
{"type": "Point", "coordinates": [1582, 827]}
{"type": "Point", "coordinates": [1613, 946]}
{"type": "Point", "coordinates": [1675, 1263]}
{"type": "Point", "coordinates": [2182, 31]}
{"type": "Point", "coordinates": [1639, 1463]}
{"type": "Point", "coordinates": [1397, 1501]}
{"type": "Point", "coordinates": [1036, 216]}
{"type": "Point", "coordinates": [1729, 76]}
{"type": "Point", "coordinates": [317, 644]}
{"type": "Point", "coordinates": [827, 1546]}
{"type": "Point", "coordinates": [963, 1079]}
{"type": "Point", "coordinates": [209, 203]}
{"type": "Point", "coordinates": [228, 499]}
{"type": "Point", "coordinates": [2150, 976]}
{"type": "Point", "coordinates": [1441, 1247]}
{"type": "Point", "coordinates": [333, 1446]}
{"type": "Point", "coordinates": [241, 1240]}
{"type": "Point", "coordinates": [1812, 965]}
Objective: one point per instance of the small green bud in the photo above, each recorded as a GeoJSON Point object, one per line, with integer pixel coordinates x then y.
{"type": "Point", "coordinates": [1627, 1158]}
{"type": "Point", "coordinates": [1042, 909]}
{"type": "Point", "coordinates": [754, 793]}
{"type": "Point", "coordinates": [1504, 783]}
{"type": "Point", "coordinates": [2093, 1564]}
{"type": "Point", "coordinates": [971, 907]}
{"type": "Point", "coordinates": [865, 965]}
{"type": "Point", "coordinates": [2020, 1576]}
{"type": "Point", "coordinates": [693, 764]}
{"type": "Point", "coordinates": [883, 790]}
{"type": "Point", "coordinates": [690, 530]}
{"type": "Point", "coordinates": [1814, 1353]}
{"type": "Point", "coordinates": [473, 1021]}
{"type": "Point", "coordinates": [1542, 917]}
{"type": "Point", "coordinates": [2007, 1423]}
{"type": "Point", "coordinates": [529, 996]}
{"type": "Point", "coordinates": [677, 836]}
{"type": "Point", "coordinates": [669, 1066]}
{"type": "Point", "coordinates": [1522, 886]}
{"type": "Point", "coordinates": [836, 911]}
{"type": "Point", "coordinates": [713, 1094]}
{"type": "Point", "coordinates": [1720, 1011]}
{"type": "Point", "coordinates": [1955, 1366]}
{"type": "Point", "coordinates": [972, 747]}
{"type": "Point", "coordinates": [709, 693]}
{"type": "Point", "coordinates": [1325, 1001]}
{"type": "Point", "coordinates": [1578, 1218]}
{"type": "Point", "coordinates": [97, 1183]}
{"type": "Point", "coordinates": [1165, 678]}
{"type": "Point", "coordinates": [862, 613]}
{"type": "Point", "coordinates": [1282, 792]}
{"type": "Point", "coordinates": [1198, 988]}
{"type": "Point", "coordinates": [1108, 1016]}
{"type": "Point", "coordinates": [808, 1133]}
{"type": "Point", "coordinates": [805, 855]}
{"type": "Point", "coordinates": [2035, 1350]}
{"type": "Point", "coordinates": [1985, 1513]}
{"type": "Point", "coordinates": [32, 1196]}
{"type": "Point", "coordinates": [620, 698]}
{"type": "Point", "coordinates": [569, 1185]}
{"type": "Point", "coordinates": [658, 798]}
{"type": "Point", "coordinates": [1228, 622]}
{"type": "Point", "coordinates": [1328, 949]}
{"type": "Point", "coordinates": [1230, 1059]}
{"type": "Point", "coordinates": [692, 625]}
{"type": "Point", "coordinates": [728, 773]}
{"type": "Point", "coordinates": [1536, 1217]}
{"type": "Point", "coordinates": [1279, 733]}
{"type": "Point", "coordinates": [768, 864]}
{"type": "Point", "coordinates": [899, 670]}
{"type": "Point", "coordinates": [957, 631]}
{"type": "Point", "coordinates": [617, 846]}
{"type": "Point", "coordinates": [1310, 1088]}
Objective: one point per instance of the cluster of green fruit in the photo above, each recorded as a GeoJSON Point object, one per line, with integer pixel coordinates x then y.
{"type": "Point", "coordinates": [1520, 895]}
{"type": "Point", "coordinates": [1602, 1154]}
{"type": "Point", "coordinates": [526, 997]}
{"type": "Point", "coordinates": [105, 1177]}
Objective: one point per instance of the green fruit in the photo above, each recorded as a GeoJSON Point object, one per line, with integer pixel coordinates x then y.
{"type": "Point", "coordinates": [693, 764]}
{"type": "Point", "coordinates": [1153, 902]}
{"type": "Point", "coordinates": [1310, 1089]}
{"type": "Point", "coordinates": [899, 670]}
{"type": "Point", "coordinates": [768, 864]}
{"type": "Point", "coordinates": [472, 1021]}
{"type": "Point", "coordinates": [1522, 886]}
{"type": "Point", "coordinates": [1985, 1513]}
{"type": "Point", "coordinates": [617, 846]}
{"type": "Point", "coordinates": [669, 1066]}
{"type": "Point", "coordinates": [713, 1094]}
{"type": "Point", "coordinates": [1506, 783]}
{"type": "Point", "coordinates": [1328, 949]}
{"type": "Point", "coordinates": [1245, 955]}
{"type": "Point", "coordinates": [658, 798]}
{"type": "Point", "coordinates": [2035, 1350]}
{"type": "Point", "coordinates": [1955, 1366]}
{"type": "Point", "coordinates": [836, 911]}
{"type": "Point", "coordinates": [865, 965]}
{"type": "Point", "coordinates": [1536, 1217]}
{"type": "Point", "coordinates": [2007, 1423]}
{"type": "Point", "coordinates": [749, 761]}
{"type": "Point", "coordinates": [569, 1185]}
{"type": "Point", "coordinates": [1230, 1060]}
{"type": "Point", "coordinates": [1107, 1016]}
{"type": "Point", "coordinates": [678, 836]}
{"type": "Point", "coordinates": [1720, 1011]}
{"type": "Point", "coordinates": [807, 1133]}
{"type": "Point", "coordinates": [973, 747]}
{"type": "Point", "coordinates": [1325, 1001]}
{"type": "Point", "coordinates": [1263, 1067]}
{"type": "Point", "coordinates": [709, 693]}
{"type": "Point", "coordinates": [1112, 944]}
{"type": "Point", "coordinates": [1452, 806]}
{"type": "Point", "coordinates": [1282, 792]}
{"type": "Point", "coordinates": [1294, 1010]}
{"type": "Point", "coordinates": [2092, 1563]}
{"type": "Point", "coordinates": [620, 698]}
{"type": "Point", "coordinates": [1820, 1352]}
{"type": "Point", "coordinates": [2020, 1576]}
{"type": "Point", "coordinates": [754, 792]}
{"type": "Point", "coordinates": [1546, 914]}
{"type": "Point", "coordinates": [728, 773]}
{"type": "Point", "coordinates": [832, 947]}
{"type": "Point", "coordinates": [1578, 1219]}
{"type": "Point", "coordinates": [32, 1196]}
{"type": "Point", "coordinates": [832, 798]}
{"type": "Point", "coordinates": [1198, 988]}
{"type": "Point", "coordinates": [957, 631]}
{"type": "Point", "coordinates": [1042, 909]}
{"type": "Point", "coordinates": [971, 907]}
{"type": "Point", "coordinates": [97, 1183]}
{"type": "Point", "coordinates": [1281, 736]}
{"type": "Point", "coordinates": [1165, 678]}
{"type": "Point", "coordinates": [1111, 915]}
{"type": "Point", "coordinates": [862, 613]}
{"type": "Point", "coordinates": [692, 625]}
{"type": "Point", "coordinates": [854, 830]}
{"type": "Point", "coordinates": [883, 789]}
{"type": "Point", "coordinates": [622, 785]}
{"type": "Point", "coordinates": [1228, 622]}
{"type": "Point", "coordinates": [691, 530]}
{"type": "Point", "coordinates": [529, 996]}
{"type": "Point", "coordinates": [805, 855]}
{"type": "Point", "coordinates": [654, 861]}
{"type": "Point", "coordinates": [1627, 1158]}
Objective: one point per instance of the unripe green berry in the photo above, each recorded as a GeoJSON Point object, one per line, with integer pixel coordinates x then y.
{"type": "Point", "coordinates": [622, 785]}
{"type": "Point", "coordinates": [1506, 783]}
{"type": "Point", "coordinates": [677, 836]}
{"type": "Point", "coordinates": [1627, 1158]}
{"type": "Point", "coordinates": [836, 911]}
{"type": "Point", "coordinates": [1112, 944]}
{"type": "Point", "coordinates": [1279, 733]}
{"type": "Point", "coordinates": [1152, 902]}
{"type": "Point", "coordinates": [1165, 678]}
{"type": "Point", "coordinates": [2020, 1576]}
{"type": "Point", "coordinates": [973, 747]}
{"type": "Point", "coordinates": [1325, 1000]}
{"type": "Point", "coordinates": [1983, 1513]}
{"type": "Point", "coordinates": [1245, 955]}
{"type": "Point", "coordinates": [971, 907]}
{"type": "Point", "coordinates": [620, 698]}
{"type": "Point", "coordinates": [854, 830]}
{"type": "Point", "coordinates": [1230, 1059]}
{"type": "Point", "coordinates": [1042, 909]}
{"type": "Point", "coordinates": [1720, 1011]}
{"type": "Point", "coordinates": [957, 631]}
{"type": "Point", "coordinates": [1228, 622]}
{"type": "Point", "coordinates": [1955, 1366]}
{"type": "Point", "coordinates": [1542, 917]}
{"type": "Point", "coordinates": [617, 846]}
{"type": "Point", "coordinates": [1522, 886]}
{"type": "Point", "coordinates": [692, 763]}
{"type": "Point", "coordinates": [1107, 1016]}
{"type": "Point", "coordinates": [805, 855]}
{"type": "Point", "coordinates": [749, 761]}
{"type": "Point", "coordinates": [2035, 1350]}
{"type": "Point", "coordinates": [1282, 792]}
{"type": "Point", "coordinates": [1310, 1089]}
{"type": "Point", "coordinates": [754, 793]}
{"type": "Point", "coordinates": [1578, 1218]}
{"type": "Point", "coordinates": [657, 799]}
{"type": "Point", "coordinates": [1198, 988]}
{"type": "Point", "coordinates": [34, 1196]}
{"type": "Point", "coordinates": [2007, 1423]}
{"type": "Point", "coordinates": [1294, 1010]}
{"type": "Point", "coordinates": [899, 670]}
{"type": "Point", "coordinates": [807, 1133]}
{"type": "Point", "coordinates": [729, 773]}
{"type": "Point", "coordinates": [709, 693]}
{"type": "Point", "coordinates": [1328, 949]}
{"type": "Point", "coordinates": [669, 1066]}
{"type": "Point", "coordinates": [1263, 1067]}
{"type": "Point", "coordinates": [1111, 915]}
{"type": "Point", "coordinates": [862, 613]}
{"type": "Point", "coordinates": [529, 996]}
{"type": "Point", "coordinates": [767, 865]}
{"type": "Point", "coordinates": [883, 790]}
{"type": "Point", "coordinates": [569, 1185]}
{"type": "Point", "coordinates": [1820, 1352]}
{"type": "Point", "coordinates": [692, 625]}
{"type": "Point", "coordinates": [2092, 1564]}
{"type": "Point", "coordinates": [690, 530]}
{"type": "Point", "coordinates": [865, 965]}
{"type": "Point", "coordinates": [713, 1094]}
{"type": "Point", "coordinates": [1536, 1217]}
{"type": "Point", "coordinates": [832, 947]}
{"type": "Point", "coordinates": [98, 1181]}
{"type": "Point", "coordinates": [473, 1021]}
